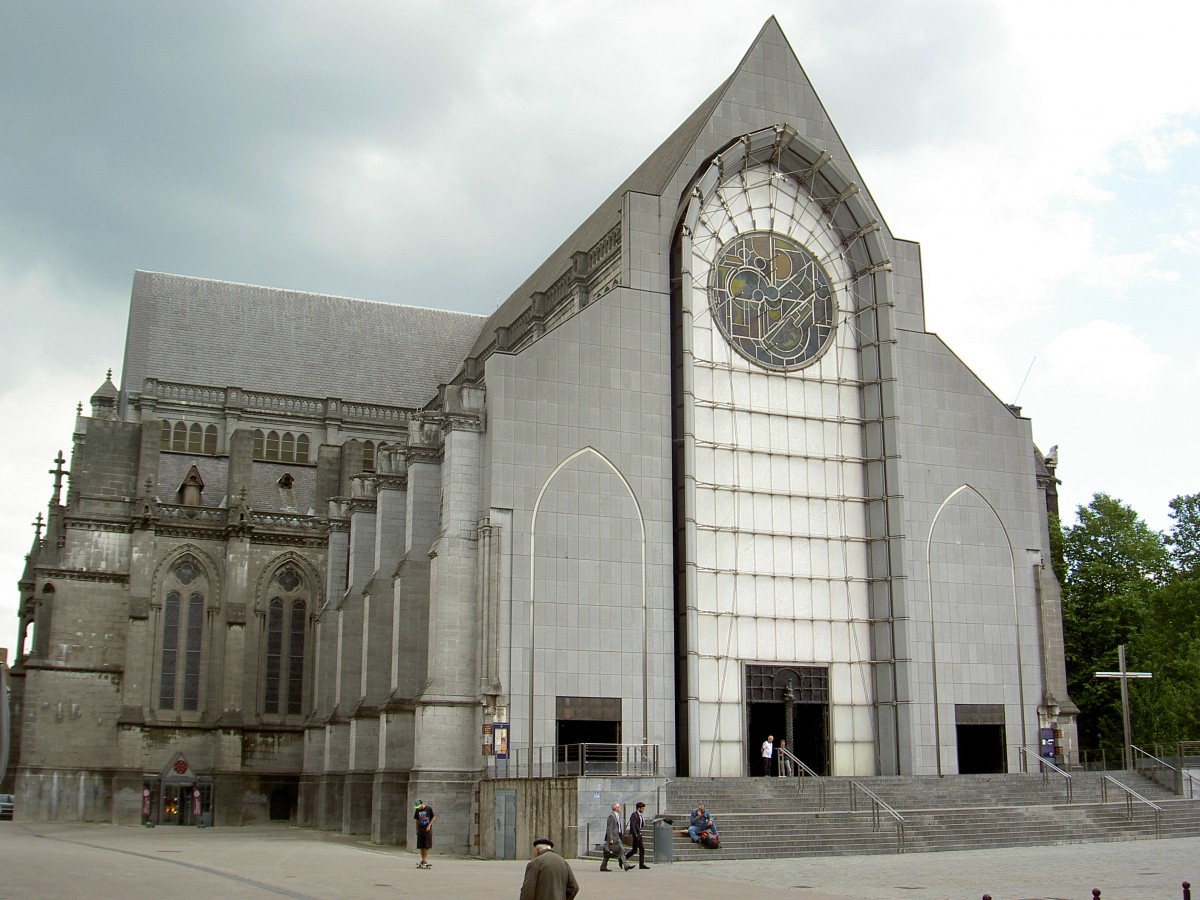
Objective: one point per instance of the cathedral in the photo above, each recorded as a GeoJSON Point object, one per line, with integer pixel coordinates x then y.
{"type": "Point", "coordinates": [703, 477]}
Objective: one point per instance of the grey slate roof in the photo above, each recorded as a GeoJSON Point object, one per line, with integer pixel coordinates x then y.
{"type": "Point", "coordinates": [199, 331]}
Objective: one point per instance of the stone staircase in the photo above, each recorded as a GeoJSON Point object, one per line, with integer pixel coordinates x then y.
{"type": "Point", "coordinates": [781, 817]}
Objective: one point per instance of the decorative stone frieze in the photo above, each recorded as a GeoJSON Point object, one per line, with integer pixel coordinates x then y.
{"type": "Point", "coordinates": [84, 575]}
{"type": "Point", "coordinates": [463, 422]}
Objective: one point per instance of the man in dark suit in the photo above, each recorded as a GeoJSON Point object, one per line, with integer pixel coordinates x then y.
{"type": "Point", "coordinates": [548, 877]}
{"type": "Point", "coordinates": [612, 841]}
{"type": "Point", "coordinates": [637, 822]}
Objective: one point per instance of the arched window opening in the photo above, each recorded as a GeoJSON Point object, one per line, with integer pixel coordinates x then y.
{"type": "Point", "coordinates": [287, 452]}
{"type": "Point", "coordinates": [210, 440]}
{"type": "Point", "coordinates": [180, 657]}
{"type": "Point", "coordinates": [302, 448]}
{"type": "Point", "coordinates": [296, 659]}
{"type": "Point", "coordinates": [274, 654]}
{"type": "Point", "coordinates": [191, 666]}
{"type": "Point", "coordinates": [258, 443]}
{"type": "Point", "coordinates": [286, 636]}
{"type": "Point", "coordinates": [164, 442]}
{"type": "Point", "coordinates": [179, 437]}
{"type": "Point", "coordinates": [170, 651]}
{"type": "Point", "coordinates": [272, 445]}
{"type": "Point", "coordinates": [195, 438]}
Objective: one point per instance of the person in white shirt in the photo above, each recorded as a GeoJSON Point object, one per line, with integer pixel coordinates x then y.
{"type": "Point", "coordinates": [768, 751]}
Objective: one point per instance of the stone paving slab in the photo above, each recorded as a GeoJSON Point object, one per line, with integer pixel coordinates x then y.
{"type": "Point", "coordinates": [43, 860]}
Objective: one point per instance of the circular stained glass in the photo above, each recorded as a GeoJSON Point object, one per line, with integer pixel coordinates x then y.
{"type": "Point", "coordinates": [772, 300]}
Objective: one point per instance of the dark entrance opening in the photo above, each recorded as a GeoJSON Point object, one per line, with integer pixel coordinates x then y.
{"type": "Point", "coordinates": [281, 804]}
{"type": "Point", "coordinates": [979, 729]}
{"type": "Point", "coordinates": [587, 735]}
{"type": "Point", "coordinates": [178, 796]}
{"type": "Point", "coordinates": [980, 749]}
{"type": "Point", "coordinates": [770, 692]}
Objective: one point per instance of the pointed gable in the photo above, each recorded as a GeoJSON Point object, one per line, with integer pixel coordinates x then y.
{"type": "Point", "coordinates": [768, 87]}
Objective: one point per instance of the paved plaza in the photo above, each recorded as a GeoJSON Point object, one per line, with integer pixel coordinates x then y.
{"type": "Point", "coordinates": [53, 860]}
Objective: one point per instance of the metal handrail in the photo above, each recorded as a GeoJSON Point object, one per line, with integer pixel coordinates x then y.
{"type": "Point", "coordinates": [1130, 796]}
{"type": "Point", "coordinates": [877, 804]}
{"type": "Point", "coordinates": [1177, 780]}
{"type": "Point", "coordinates": [805, 771]}
{"type": "Point", "coordinates": [559, 760]}
{"type": "Point", "coordinates": [1046, 768]}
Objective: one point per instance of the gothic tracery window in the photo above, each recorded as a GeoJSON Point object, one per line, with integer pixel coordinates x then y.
{"type": "Point", "coordinates": [286, 628]}
{"type": "Point", "coordinates": [182, 637]}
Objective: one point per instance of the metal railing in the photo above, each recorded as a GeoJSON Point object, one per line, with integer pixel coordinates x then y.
{"type": "Point", "coordinates": [877, 806]}
{"type": "Point", "coordinates": [1178, 780]}
{"type": "Point", "coordinates": [1047, 767]}
{"type": "Point", "coordinates": [570, 760]}
{"type": "Point", "coordinates": [1130, 796]}
{"type": "Point", "coordinates": [801, 772]}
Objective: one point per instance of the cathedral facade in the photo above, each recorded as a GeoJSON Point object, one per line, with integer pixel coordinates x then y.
{"type": "Point", "coordinates": [705, 476]}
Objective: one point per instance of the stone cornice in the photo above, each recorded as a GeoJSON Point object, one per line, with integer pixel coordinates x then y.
{"type": "Point", "coordinates": [161, 395]}
{"type": "Point", "coordinates": [82, 575]}
{"type": "Point", "coordinates": [106, 669]}
{"type": "Point", "coordinates": [422, 454]}
{"type": "Point", "coordinates": [361, 504]}
{"type": "Point", "coordinates": [391, 482]}
{"type": "Point", "coordinates": [462, 422]}
{"type": "Point", "coordinates": [284, 539]}
{"type": "Point", "coordinates": [96, 525]}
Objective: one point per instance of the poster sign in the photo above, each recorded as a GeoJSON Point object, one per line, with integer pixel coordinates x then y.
{"type": "Point", "coordinates": [1047, 743]}
{"type": "Point", "coordinates": [196, 802]}
{"type": "Point", "coordinates": [500, 739]}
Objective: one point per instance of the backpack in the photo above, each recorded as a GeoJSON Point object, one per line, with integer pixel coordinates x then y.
{"type": "Point", "coordinates": [710, 840]}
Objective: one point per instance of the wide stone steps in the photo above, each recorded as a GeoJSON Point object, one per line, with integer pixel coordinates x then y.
{"type": "Point", "coordinates": [762, 817]}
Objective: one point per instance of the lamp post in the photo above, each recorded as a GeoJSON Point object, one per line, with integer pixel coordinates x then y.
{"type": "Point", "coordinates": [1124, 676]}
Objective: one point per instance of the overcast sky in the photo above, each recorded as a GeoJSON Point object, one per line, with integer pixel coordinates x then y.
{"type": "Point", "coordinates": [1045, 155]}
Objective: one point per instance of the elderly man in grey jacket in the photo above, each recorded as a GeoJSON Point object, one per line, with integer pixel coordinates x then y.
{"type": "Point", "coordinates": [548, 877]}
{"type": "Point", "coordinates": [612, 841]}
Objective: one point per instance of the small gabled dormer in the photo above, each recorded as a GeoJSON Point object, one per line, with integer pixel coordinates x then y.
{"type": "Point", "coordinates": [191, 488]}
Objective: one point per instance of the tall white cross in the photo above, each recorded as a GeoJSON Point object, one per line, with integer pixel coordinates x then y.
{"type": "Point", "coordinates": [1125, 675]}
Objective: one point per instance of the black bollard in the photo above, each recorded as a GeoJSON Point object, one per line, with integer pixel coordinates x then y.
{"type": "Point", "coordinates": [1187, 890]}
{"type": "Point", "coordinates": [1095, 893]}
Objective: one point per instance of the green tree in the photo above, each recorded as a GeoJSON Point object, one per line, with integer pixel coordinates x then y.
{"type": "Point", "coordinates": [1184, 539]}
{"type": "Point", "coordinates": [1169, 708]}
{"type": "Point", "coordinates": [1114, 564]}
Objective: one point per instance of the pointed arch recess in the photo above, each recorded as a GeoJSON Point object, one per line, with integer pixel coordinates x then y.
{"type": "Point", "coordinates": [315, 592]}
{"type": "Point", "coordinates": [1012, 559]}
{"type": "Point", "coordinates": [578, 454]}
{"type": "Point", "coordinates": [212, 571]}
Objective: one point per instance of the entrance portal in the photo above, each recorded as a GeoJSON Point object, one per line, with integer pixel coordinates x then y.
{"type": "Point", "coordinates": [979, 729]}
{"type": "Point", "coordinates": [770, 692]}
{"type": "Point", "coordinates": [177, 796]}
{"type": "Point", "coordinates": [587, 735]}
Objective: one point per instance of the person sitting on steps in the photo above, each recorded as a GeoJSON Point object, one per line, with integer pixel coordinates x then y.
{"type": "Point", "coordinates": [701, 822]}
